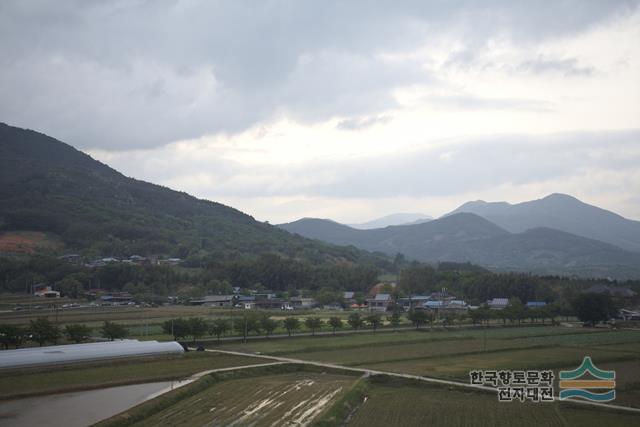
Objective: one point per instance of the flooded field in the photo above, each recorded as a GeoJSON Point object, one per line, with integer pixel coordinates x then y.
{"type": "Point", "coordinates": [293, 399]}
{"type": "Point", "coordinates": [77, 409]}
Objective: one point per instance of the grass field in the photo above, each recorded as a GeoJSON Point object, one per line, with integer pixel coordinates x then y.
{"type": "Point", "coordinates": [105, 374]}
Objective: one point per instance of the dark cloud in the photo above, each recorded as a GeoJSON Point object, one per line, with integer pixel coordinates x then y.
{"type": "Point", "coordinates": [143, 73]}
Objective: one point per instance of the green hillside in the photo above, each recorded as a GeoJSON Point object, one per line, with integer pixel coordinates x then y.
{"type": "Point", "coordinates": [49, 186]}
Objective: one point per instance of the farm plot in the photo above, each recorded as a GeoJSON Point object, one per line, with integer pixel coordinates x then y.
{"type": "Point", "coordinates": [396, 402]}
{"type": "Point", "coordinates": [458, 367]}
{"type": "Point", "coordinates": [365, 353]}
{"type": "Point", "coordinates": [289, 399]}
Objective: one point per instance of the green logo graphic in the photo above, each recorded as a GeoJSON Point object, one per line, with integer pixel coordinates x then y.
{"type": "Point", "coordinates": [572, 386]}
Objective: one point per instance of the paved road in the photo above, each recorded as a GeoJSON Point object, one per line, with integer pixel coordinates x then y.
{"type": "Point", "coordinates": [408, 376]}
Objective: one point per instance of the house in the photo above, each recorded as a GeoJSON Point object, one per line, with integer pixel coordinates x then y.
{"type": "Point", "coordinates": [626, 314]}
{"type": "Point", "coordinates": [139, 260]}
{"type": "Point", "coordinates": [170, 261]}
{"type": "Point", "coordinates": [614, 291]}
{"type": "Point", "coordinates": [535, 304]}
{"type": "Point", "coordinates": [433, 305]}
{"type": "Point", "coordinates": [498, 303]}
{"type": "Point", "coordinates": [456, 305]}
{"type": "Point", "coordinates": [46, 292]}
{"type": "Point", "coordinates": [381, 302]}
{"type": "Point", "coordinates": [414, 301]}
{"type": "Point", "coordinates": [213, 301]}
{"type": "Point", "coordinates": [71, 258]}
{"type": "Point", "coordinates": [116, 298]}
{"type": "Point", "coordinates": [269, 303]}
{"type": "Point", "coordinates": [300, 303]}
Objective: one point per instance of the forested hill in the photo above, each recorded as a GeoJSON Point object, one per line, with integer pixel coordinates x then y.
{"type": "Point", "coordinates": [467, 237]}
{"type": "Point", "coordinates": [47, 185]}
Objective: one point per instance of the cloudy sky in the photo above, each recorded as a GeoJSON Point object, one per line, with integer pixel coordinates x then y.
{"type": "Point", "coordinates": [347, 110]}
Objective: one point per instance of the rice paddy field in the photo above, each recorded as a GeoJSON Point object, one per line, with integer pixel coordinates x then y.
{"type": "Point", "coordinates": [16, 384]}
{"type": "Point", "coordinates": [289, 399]}
{"type": "Point", "coordinates": [396, 402]}
{"type": "Point", "coordinates": [295, 394]}
{"type": "Point", "coordinates": [452, 354]}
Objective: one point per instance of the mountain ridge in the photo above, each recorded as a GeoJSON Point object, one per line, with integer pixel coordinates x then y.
{"type": "Point", "coordinates": [468, 237]}
{"type": "Point", "coordinates": [562, 212]}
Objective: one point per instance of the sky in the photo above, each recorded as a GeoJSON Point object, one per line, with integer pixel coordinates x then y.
{"type": "Point", "coordinates": [348, 110]}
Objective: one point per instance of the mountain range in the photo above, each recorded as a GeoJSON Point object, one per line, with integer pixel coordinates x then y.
{"type": "Point", "coordinates": [50, 187]}
{"type": "Point", "coordinates": [393, 219]}
{"type": "Point", "coordinates": [561, 212]}
{"type": "Point", "coordinates": [554, 235]}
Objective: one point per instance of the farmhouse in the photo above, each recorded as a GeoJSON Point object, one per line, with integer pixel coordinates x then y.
{"type": "Point", "coordinates": [213, 301]}
{"type": "Point", "coordinates": [302, 303]}
{"type": "Point", "coordinates": [614, 291]}
{"type": "Point", "coordinates": [498, 303]}
{"type": "Point", "coordinates": [46, 292]}
{"type": "Point", "coordinates": [381, 302]}
{"type": "Point", "coordinates": [535, 304]}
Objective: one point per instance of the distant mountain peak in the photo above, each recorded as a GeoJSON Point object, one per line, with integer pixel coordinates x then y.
{"type": "Point", "coordinates": [393, 219]}
{"type": "Point", "coordinates": [561, 212]}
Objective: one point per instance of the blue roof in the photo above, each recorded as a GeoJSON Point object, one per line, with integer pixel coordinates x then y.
{"type": "Point", "coordinates": [432, 304]}
{"type": "Point", "coordinates": [536, 304]}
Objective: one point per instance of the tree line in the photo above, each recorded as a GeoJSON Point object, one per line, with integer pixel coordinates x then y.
{"type": "Point", "coordinates": [42, 331]}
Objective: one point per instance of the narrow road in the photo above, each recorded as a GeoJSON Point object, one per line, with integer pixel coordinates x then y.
{"type": "Point", "coordinates": [407, 376]}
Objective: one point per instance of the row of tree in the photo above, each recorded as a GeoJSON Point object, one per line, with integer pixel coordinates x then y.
{"type": "Point", "coordinates": [42, 331]}
{"type": "Point", "coordinates": [196, 327]}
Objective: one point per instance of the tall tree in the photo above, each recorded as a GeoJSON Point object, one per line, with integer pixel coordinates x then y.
{"type": "Point", "coordinates": [335, 323]}
{"type": "Point", "coordinates": [395, 318]}
{"type": "Point", "coordinates": [355, 321]}
{"type": "Point", "coordinates": [11, 335]}
{"type": "Point", "coordinates": [313, 323]}
{"type": "Point", "coordinates": [291, 324]}
{"type": "Point", "coordinates": [77, 332]}
{"type": "Point", "coordinates": [219, 327]}
{"type": "Point", "coordinates": [197, 327]}
{"type": "Point", "coordinates": [593, 308]}
{"type": "Point", "coordinates": [417, 317]}
{"type": "Point", "coordinates": [113, 331]}
{"type": "Point", "coordinates": [268, 325]}
{"type": "Point", "coordinates": [42, 330]}
{"type": "Point", "coordinates": [374, 320]}
{"type": "Point", "coordinates": [178, 328]}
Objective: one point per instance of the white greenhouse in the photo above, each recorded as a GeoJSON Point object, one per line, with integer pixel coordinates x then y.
{"type": "Point", "coordinates": [75, 353]}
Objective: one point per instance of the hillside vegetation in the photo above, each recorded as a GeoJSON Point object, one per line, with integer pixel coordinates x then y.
{"type": "Point", "coordinates": [48, 186]}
